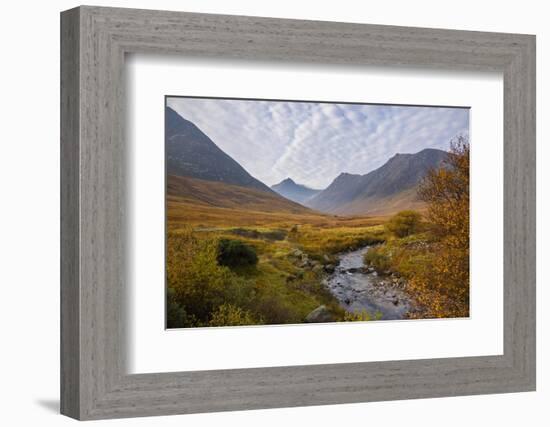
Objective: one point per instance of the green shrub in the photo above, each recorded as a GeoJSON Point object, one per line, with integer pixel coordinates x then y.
{"type": "Point", "coordinates": [404, 223]}
{"type": "Point", "coordinates": [176, 316]}
{"type": "Point", "coordinates": [235, 253]}
{"type": "Point", "coordinates": [197, 284]}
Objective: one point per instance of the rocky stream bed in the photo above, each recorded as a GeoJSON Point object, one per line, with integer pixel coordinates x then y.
{"type": "Point", "coordinates": [359, 288]}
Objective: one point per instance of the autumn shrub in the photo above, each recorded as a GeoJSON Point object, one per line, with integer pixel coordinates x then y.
{"type": "Point", "coordinates": [405, 256]}
{"type": "Point", "coordinates": [197, 284]}
{"type": "Point", "coordinates": [235, 253]}
{"type": "Point", "coordinates": [443, 284]}
{"type": "Point", "coordinates": [404, 223]}
{"type": "Point", "coordinates": [361, 316]}
{"type": "Point", "coordinates": [376, 258]}
{"type": "Point", "coordinates": [231, 315]}
{"type": "Point", "coordinates": [276, 310]}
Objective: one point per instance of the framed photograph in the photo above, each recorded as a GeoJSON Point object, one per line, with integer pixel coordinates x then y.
{"type": "Point", "coordinates": [262, 213]}
{"type": "Point", "coordinates": [306, 237]}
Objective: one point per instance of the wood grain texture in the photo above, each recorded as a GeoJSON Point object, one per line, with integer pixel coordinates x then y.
{"type": "Point", "coordinates": [70, 221]}
{"type": "Point", "coordinates": [94, 231]}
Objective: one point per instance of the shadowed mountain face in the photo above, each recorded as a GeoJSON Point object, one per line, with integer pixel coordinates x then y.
{"type": "Point", "coordinates": [190, 152]}
{"type": "Point", "coordinates": [201, 174]}
{"type": "Point", "coordinates": [387, 189]}
{"type": "Point", "coordinates": [296, 192]}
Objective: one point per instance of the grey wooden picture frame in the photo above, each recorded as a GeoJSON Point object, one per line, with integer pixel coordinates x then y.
{"type": "Point", "coordinates": [94, 381]}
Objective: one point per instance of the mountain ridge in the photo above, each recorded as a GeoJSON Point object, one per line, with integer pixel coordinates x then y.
{"type": "Point", "coordinates": [190, 152]}
{"type": "Point", "coordinates": [387, 188]}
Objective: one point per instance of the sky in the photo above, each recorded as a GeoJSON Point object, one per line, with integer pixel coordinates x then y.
{"type": "Point", "coordinates": [313, 143]}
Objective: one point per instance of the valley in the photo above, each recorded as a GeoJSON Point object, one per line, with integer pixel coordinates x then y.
{"type": "Point", "coordinates": [239, 252]}
{"type": "Point", "coordinates": [297, 252]}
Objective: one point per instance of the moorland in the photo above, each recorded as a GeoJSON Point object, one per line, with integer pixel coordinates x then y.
{"type": "Point", "coordinates": [241, 253]}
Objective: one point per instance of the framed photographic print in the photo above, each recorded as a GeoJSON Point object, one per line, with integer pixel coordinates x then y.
{"type": "Point", "coordinates": [330, 245]}
{"type": "Point", "coordinates": [262, 213]}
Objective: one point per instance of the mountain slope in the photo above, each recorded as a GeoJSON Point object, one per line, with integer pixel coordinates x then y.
{"type": "Point", "coordinates": [389, 188]}
{"type": "Point", "coordinates": [190, 152]}
{"type": "Point", "coordinates": [296, 192]}
{"type": "Point", "coordinates": [212, 194]}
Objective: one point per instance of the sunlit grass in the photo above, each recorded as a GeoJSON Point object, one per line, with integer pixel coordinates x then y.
{"type": "Point", "coordinates": [282, 291]}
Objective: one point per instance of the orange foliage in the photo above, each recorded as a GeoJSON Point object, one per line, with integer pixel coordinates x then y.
{"type": "Point", "coordinates": [443, 286]}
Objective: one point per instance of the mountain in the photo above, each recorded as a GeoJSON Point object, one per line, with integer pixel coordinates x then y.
{"type": "Point", "coordinates": [190, 152]}
{"type": "Point", "coordinates": [296, 192]}
{"type": "Point", "coordinates": [212, 194]}
{"type": "Point", "coordinates": [388, 189]}
{"type": "Point", "coordinates": [201, 176]}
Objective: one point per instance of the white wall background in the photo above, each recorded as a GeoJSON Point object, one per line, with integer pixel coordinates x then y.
{"type": "Point", "coordinates": [29, 216]}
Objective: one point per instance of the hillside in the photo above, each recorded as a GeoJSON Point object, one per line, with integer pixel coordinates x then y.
{"type": "Point", "coordinates": [388, 189]}
{"type": "Point", "coordinates": [293, 191]}
{"type": "Point", "coordinates": [190, 152]}
{"type": "Point", "coordinates": [222, 195]}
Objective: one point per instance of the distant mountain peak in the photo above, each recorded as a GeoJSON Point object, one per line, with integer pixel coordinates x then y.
{"type": "Point", "coordinates": [287, 181]}
{"type": "Point", "coordinates": [293, 191]}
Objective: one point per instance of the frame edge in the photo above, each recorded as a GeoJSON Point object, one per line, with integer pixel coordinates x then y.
{"type": "Point", "coordinates": [85, 366]}
{"type": "Point", "coordinates": [70, 403]}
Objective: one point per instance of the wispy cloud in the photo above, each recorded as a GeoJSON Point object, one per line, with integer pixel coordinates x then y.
{"type": "Point", "coordinates": [314, 142]}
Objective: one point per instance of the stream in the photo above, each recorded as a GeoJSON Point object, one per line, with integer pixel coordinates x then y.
{"type": "Point", "coordinates": [358, 289]}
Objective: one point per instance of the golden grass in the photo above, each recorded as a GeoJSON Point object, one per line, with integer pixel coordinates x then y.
{"type": "Point", "coordinates": [214, 204]}
{"type": "Point", "coordinates": [319, 241]}
{"type": "Point", "coordinates": [183, 211]}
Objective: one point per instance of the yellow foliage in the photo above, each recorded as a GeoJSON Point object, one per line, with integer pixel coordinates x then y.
{"type": "Point", "coordinates": [443, 285]}
{"type": "Point", "coordinates": [360, 316]}
{"type": "Point", "coordinates": [404, 223]}
{"type": "Point", "coordinates": [230, 315]}
{"type": "Point", "coordinates": [195, 280]}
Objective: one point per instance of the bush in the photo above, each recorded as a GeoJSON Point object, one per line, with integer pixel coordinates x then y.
{"type": "Point", "coordinates": [377, 259]}
{"type": "Point", "coordinates": [235, 253]}
{"type": "Point", "coordinates": [256, 234]}
{"type": "Point", "coordinates": [359, 316]}
{"type": "Point", "coordinates": [276, 309]}
{"type": "Point", "coordinates": [404, 223]}
{"type": "Point", "coordinates": [230, 315]}
{"type": "Point", "coordinates": [197, 284]}
{"type": "Point", "coordinates": [445, 281]}
{"type": "Point", "coordinates": [176, 316]}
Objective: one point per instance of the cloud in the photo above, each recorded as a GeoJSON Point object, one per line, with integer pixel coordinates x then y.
{"type": "Point", "coordinates": [314, 142]}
